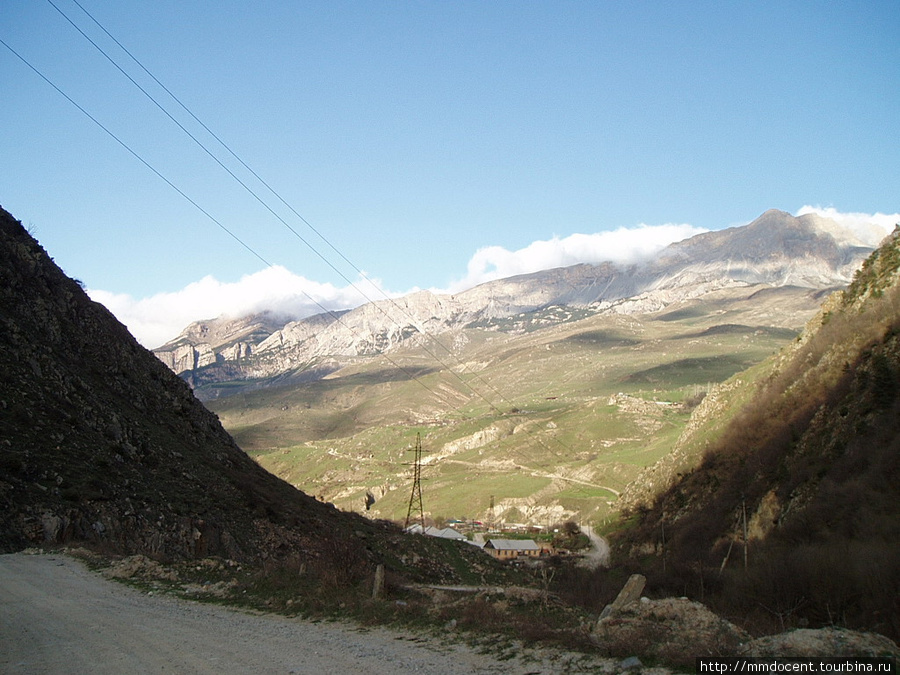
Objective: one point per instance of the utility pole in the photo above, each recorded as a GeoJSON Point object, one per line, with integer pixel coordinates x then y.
{"type": "Point", "coordinates": [491, 514]}
{"type": "Point", "coordinates": [415, 498]}
{"type": "Point", "coordinates": [662, 529]}
{"type": "Point", "coordinates": [744, 517]}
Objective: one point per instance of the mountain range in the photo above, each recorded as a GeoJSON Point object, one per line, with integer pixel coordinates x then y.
{"type": "Point", "coordinates": [776, 249]}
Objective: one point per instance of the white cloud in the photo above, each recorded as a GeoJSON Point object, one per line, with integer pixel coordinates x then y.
{"type": "Point", "coordinates": [157, 319]}
{"type": "Point", "coordinates": [870, 228]}
{"type": "Point", "coordinates": [160, 318]}
{"type": "Point", "coordinates": [624, 245]}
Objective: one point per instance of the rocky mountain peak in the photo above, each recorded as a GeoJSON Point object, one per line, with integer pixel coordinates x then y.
{"type": "Point", "coordinates": [774, 235]}
{"type": "Point", "coordinates": [776, 249]}
{"type": "Point", "coordinates": [225, 330]}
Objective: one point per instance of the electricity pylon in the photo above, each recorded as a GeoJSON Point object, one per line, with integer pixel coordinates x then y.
{"type": "Point", "coordinates": [415, 499]}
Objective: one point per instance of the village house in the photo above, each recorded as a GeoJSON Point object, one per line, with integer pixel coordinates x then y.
{"type": "Point", "coordinates": [510, 549]}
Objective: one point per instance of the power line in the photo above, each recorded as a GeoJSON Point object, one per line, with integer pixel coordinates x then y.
{"type": "Point", "coordinates": [491, 405]}
{"type": "Point", "coordinates": [186, 131]}
{"type": "Point", "coordinates": [376, 305]}
{"type": "Point", "coordinates": [206, 213]}
{"type": "Point", "coordinates": [194, 203]}
{"type": "Point", "coordinates": [135, 154]}
{"type": "Point", "coordinates": [223, 144]}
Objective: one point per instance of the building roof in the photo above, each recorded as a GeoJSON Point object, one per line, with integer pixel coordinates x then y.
{"type": "Point", "coordinates": [446, 533]}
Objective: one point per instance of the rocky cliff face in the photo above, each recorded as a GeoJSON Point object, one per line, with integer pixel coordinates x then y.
{"type": "Point", "coordinates": [102, 443]}
{"type": "Point", "coordinates": [206, 343]}
{"type": "Point", "coordinates": [776, 249]}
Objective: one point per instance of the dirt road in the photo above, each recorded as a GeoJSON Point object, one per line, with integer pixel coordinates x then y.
{"type": "Point", "coordinates": [58, 617]}
{"type": "Point", "coordinates": [598, 555]}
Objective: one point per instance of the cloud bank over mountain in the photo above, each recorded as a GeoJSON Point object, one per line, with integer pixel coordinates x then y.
{"type": "Point", "coordinates": [624, 245]}
{"type": "Point", "coordinates": [161, 317]}
{"type": "Point", "coordinates": [870, 228]}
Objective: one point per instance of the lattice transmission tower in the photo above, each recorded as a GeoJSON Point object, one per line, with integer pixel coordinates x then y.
{"type": "Point", "coordinates": [415, 498]}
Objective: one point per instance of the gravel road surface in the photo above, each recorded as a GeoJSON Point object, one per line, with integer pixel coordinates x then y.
{"type": "Point", "coordinates": [58, 617]}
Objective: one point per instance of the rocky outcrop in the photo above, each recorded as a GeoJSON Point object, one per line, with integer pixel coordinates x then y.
{"type": "Point", "coordinates": [478, 439]}
{"type": "Point", "coordinates": [672, 630]}
{"type": "Point", "coordinates": [205, 343]}
{"type": "Point", "coordinates": [102, 443]}
{"type": "Point", "coordinates": [809, 642]}
{"type": "Point", "coordinates": [188, 357]}
{"type": "Point", "coordinates": [676, 631]}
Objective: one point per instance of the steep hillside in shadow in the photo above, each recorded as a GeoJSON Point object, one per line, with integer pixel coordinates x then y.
{"type": "Point", "coordinates": [792, 517]}
{"type": "Point", "coordinates": [101, 443]}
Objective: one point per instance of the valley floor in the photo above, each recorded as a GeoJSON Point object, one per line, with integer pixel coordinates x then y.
{"type": "Point", "coordinates": [58, 617]}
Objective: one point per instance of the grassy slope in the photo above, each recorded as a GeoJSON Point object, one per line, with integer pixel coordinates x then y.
{"type": "Point", "coordinates": [561, 445]}
{"type": "Point", "coordinates": [811, 456]}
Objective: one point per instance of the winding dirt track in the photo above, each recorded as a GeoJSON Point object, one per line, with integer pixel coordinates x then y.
{"type": "Point", "coordinates": [58, 617]}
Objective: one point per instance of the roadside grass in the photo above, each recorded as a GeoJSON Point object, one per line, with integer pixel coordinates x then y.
{"type": "Point", "coordinates": [496, 619]}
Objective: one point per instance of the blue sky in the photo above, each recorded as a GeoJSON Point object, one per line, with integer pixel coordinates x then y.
{"type": "Point", "coordinates": [429, 141]}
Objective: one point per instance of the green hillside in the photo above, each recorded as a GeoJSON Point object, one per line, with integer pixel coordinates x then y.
{"type": "Point", "coordinates": [793, 515]}
{"type": "Point", "coordinates": [550, 415]}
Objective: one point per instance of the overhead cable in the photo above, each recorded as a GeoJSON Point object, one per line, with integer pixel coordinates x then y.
{"type": "Point", "coordinates": [468, 385]}
{"type": "Point", "coordinates": [206, 213]}
{"type": "Point", "coordinates": [350, 282]}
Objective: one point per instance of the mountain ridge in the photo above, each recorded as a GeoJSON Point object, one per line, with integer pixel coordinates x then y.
{"type": "Point", "coordinates": [776, 249]}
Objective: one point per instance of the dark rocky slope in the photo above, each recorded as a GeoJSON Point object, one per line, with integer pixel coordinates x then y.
{"type": "Point", "coordinates": [101, 443]}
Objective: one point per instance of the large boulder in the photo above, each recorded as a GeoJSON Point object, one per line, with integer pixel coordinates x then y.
{"type": "Point", "coordinates": [821, 642]}
{"type": "Point", "coordinates": [671, 630]}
